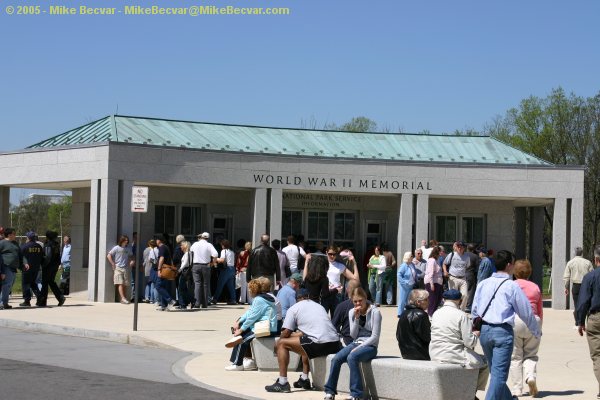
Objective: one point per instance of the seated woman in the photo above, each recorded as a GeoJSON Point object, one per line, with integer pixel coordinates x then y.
{"type": "Point", "coordinates": [523, 365]}
{"type": "Point", "coordinates": [365, 328]}
{"type": "Point", "coordinates": [262, 308]}
{"type": "Point", "coordinates": [414, 329]}
{"type": "Point", "coordinates": [453, 340]}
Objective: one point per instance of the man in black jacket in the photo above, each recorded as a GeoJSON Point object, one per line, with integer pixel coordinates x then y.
{"type": "Point", "coordinates": [49, 270]}
{"type": "Point", "coordinates": [263, 261]}
{"type": "Point", "coordinates": [33, 255]}
{"type": "Point", "coordinates": [414, 329]}
{"type": "Point", "coordinates": [11, 261]}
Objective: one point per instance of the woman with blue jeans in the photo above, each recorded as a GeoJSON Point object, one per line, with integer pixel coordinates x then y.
{"type": "Point", "coordinates": [377, 265]}
{"type": "Point", "coordinates": [227, 274]}
{"type": "Point", "coordinates": [365, 329]}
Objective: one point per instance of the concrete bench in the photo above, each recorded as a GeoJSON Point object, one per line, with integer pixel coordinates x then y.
{"type": "Point", "coordinates": [265, 358]}
{"type": "Point", "coordinates": [399, 379]}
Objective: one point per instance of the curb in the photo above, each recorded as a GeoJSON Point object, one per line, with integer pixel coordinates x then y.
{"type": "Point", "coordinates": [123, 338]}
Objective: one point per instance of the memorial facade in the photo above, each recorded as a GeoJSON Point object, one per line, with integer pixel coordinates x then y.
{"type": "Point", "coordinates": [356, 189]}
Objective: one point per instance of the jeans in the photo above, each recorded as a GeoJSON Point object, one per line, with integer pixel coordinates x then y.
{"type": "Point", "coordinates": [353, 358]}
{"type": "Point", "coordinates": [162, 287]}
{"type": "Point", "coordinates": [575, 288]}
{"type": "Point", "coordinates": [149, 289]}
{"type": "Point", "coordinates": [28, 283]}
{"type": "Point", "coordinates": [497, 343]}
{"type": "Point", "coordinates": [375, 286]}
{"type": "Point", "coordinates": [226, 279]}
{"type": "Point", "coordinates": [201, 274]}
{"type": "Point", "coordinates": [7, 283]}
{"type": "Point", "coordinates": [403, 297]}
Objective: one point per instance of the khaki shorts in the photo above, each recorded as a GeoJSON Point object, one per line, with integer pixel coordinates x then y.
{"type": "Point", "coordinates": [122, 276]}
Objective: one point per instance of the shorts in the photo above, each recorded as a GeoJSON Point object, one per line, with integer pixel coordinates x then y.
{"type": "Point", "coordinates": [314, 349]}
{"type": "Point", "coordinates": [121, 276]}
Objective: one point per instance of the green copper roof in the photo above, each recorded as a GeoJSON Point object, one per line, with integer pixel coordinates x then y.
{"type": "Point", "coordinates": [302, 142]}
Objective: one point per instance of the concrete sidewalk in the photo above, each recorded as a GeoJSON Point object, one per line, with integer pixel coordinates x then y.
{"type": "Point", "coordinates": [564, 371]}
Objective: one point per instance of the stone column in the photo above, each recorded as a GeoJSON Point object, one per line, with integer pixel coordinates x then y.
{"type": "Point", "coordinates": [536, 244]}
{"type": "Point", "coordinates": [259, 209]}
{"type": "Point", "coordinates": [107, 236]}
{"type": "Point", "coordinates": [405, 222]}
{"type": "Point", "coordinates": [95, 189]}
{"type": "Point", "coordinates": [576, 225]}
{"type": "Point", "coordinates": [126, 220]}
{"type": "Point", "coordinates": [79, 240]}
{"type": "Point", "coordinates": [520, 235]}
{"type": "Point", "coordinates": [276, 213]}
{"type": "Point", "coordinates": [5, 207]}
{"type": "Point", "coordinates": [559, 253]}
{"type": "Point", "coordinates": [422, 221]}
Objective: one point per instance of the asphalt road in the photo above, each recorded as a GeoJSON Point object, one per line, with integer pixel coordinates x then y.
{"type": "Point", "coordinates": [36, 365]}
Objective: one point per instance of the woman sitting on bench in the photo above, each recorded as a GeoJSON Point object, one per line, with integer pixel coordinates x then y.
{"type": "Point", "coordinates": [365, 328]}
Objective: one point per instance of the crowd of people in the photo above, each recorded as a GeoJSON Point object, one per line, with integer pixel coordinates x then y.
{"type": "Point", "coordinates": [38, 262]}
{"type": "Point", "coordinates": [315, 302]}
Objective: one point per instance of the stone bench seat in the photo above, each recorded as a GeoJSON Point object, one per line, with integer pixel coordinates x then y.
{"type": "Point", "coordinates": [266, 359]}
{"type": "Point", "coordinates": [400, 379]}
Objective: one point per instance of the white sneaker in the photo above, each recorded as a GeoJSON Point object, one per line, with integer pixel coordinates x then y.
{"type": "Point", "coordinates": [249, 365]}
{"type": "Point", "coordinates": [172, 306]}
{"type": "Point", "coordinates": [234, 367]}
{"type": "Point", "coordinates": [329, 396]}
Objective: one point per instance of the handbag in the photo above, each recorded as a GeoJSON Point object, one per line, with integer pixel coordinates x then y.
{"type": "Point", "coordinates": [167, 272]}
{"type": "Point", "coordinates": [478, 321]}
{"type": "Point", "coordinates": [263, 328]}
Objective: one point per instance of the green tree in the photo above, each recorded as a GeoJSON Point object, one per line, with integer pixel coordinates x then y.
{"type": "Point", "coordinates": [564, 130]}
{"type": "Point", "coordinates": [59, 216]}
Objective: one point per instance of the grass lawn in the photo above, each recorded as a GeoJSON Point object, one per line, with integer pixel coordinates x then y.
{"type": "Point", "coordinates": [17, 285]}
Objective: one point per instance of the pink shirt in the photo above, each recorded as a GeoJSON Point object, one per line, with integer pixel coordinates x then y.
{"type": "Point", "coordinates": [533, 294]}
{"type": "Point", "coordinates": [433, 272]}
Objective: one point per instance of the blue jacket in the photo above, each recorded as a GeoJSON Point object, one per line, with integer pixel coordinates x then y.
{"type": "Point", "coordinates": [263, 307]}
{"type": "Point", "coordinates": [407, 274]}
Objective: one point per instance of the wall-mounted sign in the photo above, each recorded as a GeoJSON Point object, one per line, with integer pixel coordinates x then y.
{"type": "Point", "coordinates": [139, 199]}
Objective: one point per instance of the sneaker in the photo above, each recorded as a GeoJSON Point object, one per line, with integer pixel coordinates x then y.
{"type": "Point", "coordinates": [234, 341]}
{"type": "Point", "coordinates": [124, 301]}
{"type": "Point", "coordinates": [303, 384]}
{"type": "Point", "coordinates": [6, 306]}
{"type": "Point", "coordinates": [61, 301]}
{"type": "Point", "coordinates": [172, 305]}
{"type": "Point", "coordinates": [234, 367]}
{"type": "Point", "coordinates": [278, 387]}
{"type": "Point", "coordinates": [249, 365]}
{"type": "Point", "coordinates": [25, 304]}
{"type": "Point", "coordinates": [160, 308]}
{"type": "Point", "coordinates": [533, 390]}
{"type": "Point", "coordinates": [329, 396]}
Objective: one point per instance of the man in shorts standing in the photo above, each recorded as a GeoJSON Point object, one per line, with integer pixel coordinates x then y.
{"type": "Point", "coordinates": [120, 258]}
{"type": "Point", "coordinates": [308, 331]}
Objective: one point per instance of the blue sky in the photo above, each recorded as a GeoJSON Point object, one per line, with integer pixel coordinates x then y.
{"type": "Point", "coordinates": [408, 65]}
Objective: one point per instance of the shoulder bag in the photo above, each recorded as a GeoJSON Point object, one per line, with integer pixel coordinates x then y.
{"type": "Point", "coordinates": [478, 321]}
{"type": "Point", "coordinates": [263, 328]}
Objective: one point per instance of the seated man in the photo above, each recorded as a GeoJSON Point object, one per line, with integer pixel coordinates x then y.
{"type": "Point", "coordinates": [287, 294]}
{"type": "Point", "coordinates": [414, 329]}
{"type": "Point", "coordinates": [315, 336]}
{"type": "Point", "coordinates": [452, 338]}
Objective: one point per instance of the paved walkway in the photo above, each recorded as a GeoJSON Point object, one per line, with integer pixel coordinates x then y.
{"type": "Point", "coordinates": [564, 371]}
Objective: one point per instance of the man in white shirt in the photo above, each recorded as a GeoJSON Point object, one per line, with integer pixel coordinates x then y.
{"type": "Point", "coordinates": [574, 272]}
{"type": "Point", "coordinates": [204, 254]}
{"type": "Point", "coordinates": [308, 331]}
{"type": "Point", "coordinates": [293, 253]}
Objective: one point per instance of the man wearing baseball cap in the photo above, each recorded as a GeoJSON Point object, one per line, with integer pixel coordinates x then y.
{"type": "Point", "coordinates": [287, 294]}
{"type": "Point", "coordinates": [33, 254]}
{"type": "Point", "coordinates": [204, 255]}
{"type": "Point", "coordinates": [453, 340]}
